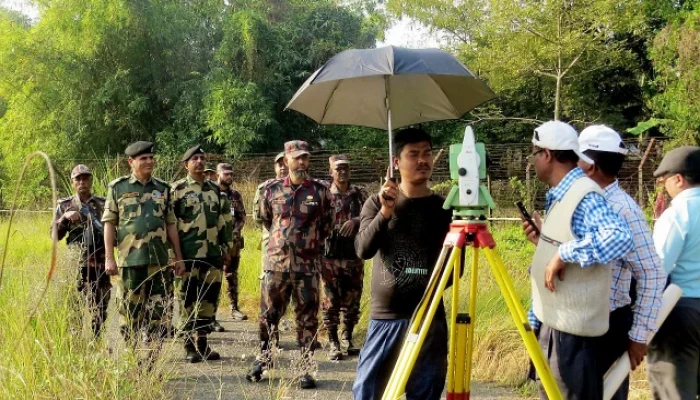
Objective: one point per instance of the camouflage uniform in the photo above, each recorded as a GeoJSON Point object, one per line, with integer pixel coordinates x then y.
{"type": "Point", "coordinates": [298, 219]}
{"type": "Point", "coordinates": [140, 214]}
{"type": "Point", "coordinates": [343, 273]}
{"type": "Point", "coordinates": [265, 235]}
{"type": "Point", "coordinates": [203, 224]}
{"type": "Point", "coordinates": [92, 281]}
{"type": "Point", "coordinates": [231, 270]}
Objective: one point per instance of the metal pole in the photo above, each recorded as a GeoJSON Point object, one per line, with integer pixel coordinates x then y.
{"type": "Point", "coordinates": [387, 90]}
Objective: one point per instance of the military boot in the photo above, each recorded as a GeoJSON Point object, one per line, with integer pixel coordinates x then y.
{"type": "Point", "coordinates": [308, 366]}
{"type": "Point", "coordinates": [216, 326]}
{"type": "Point", "coordinates": [334, 352]}
{"type": "Point", "coordinates": [262, 363]}
{"type": "Point", "coordinates": [236, 314]}
{"type": "Point", "coordinates": [203, 348]}
{"type": "Point", "coordinates": [191, 354]}
{"type": "Point", "coordinates": [347, 342]}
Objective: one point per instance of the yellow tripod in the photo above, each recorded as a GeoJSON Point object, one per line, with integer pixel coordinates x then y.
{"type": "Point", "coordinates": [473, 233]}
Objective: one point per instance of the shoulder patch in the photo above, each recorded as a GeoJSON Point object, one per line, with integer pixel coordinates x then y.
{"type": "Point", "coordinates": [179, 184]}
{"type": "Point", "coordinates": [64, 199]}
{"type": "Point", "coordinates": [121, 178]}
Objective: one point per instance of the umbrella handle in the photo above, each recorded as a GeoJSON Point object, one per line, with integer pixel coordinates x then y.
{"type": "Point", "coordinates": [384, 196]}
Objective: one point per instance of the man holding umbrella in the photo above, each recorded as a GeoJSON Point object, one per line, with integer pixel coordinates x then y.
{"type": "Point", "coordinates": [402, 228]}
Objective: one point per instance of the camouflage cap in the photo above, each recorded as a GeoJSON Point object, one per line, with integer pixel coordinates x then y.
{"type": "Point", "coordinates": [279, 156]}
{"type": "Point", "coordinates": [296, 148]}
{"type": "Point", "coordinates": [338, 159]}
{"type": "Point", "coordinates": [209, 169]}
{"type": "Point", "coordinates": [138, 148]}
{"type": "Point", "coordinates": [224, 166]}
{"type": "Point", "coordinates": [191, 152]}
{"type": "Point", "coordinates": [80, 169]}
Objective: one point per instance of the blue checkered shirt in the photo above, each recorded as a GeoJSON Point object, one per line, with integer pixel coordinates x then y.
{"type": "Point", "coordinates": [642, 263]}
{"type": "Point", "coordinates": [600, 235]}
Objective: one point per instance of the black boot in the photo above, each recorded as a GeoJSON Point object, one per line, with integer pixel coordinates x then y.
{"type": "Point", "coordinates": [262, 363]}
{"type": "Point", "coordinates": [334, 352]}
{"type": "Point", "coordinates": [347, 342]}
{"type": "Point", "coordinates": [216, 327]}
{"type": "Point", "coordinates": [191, 353]}
{"type": "Point", "coordinates": [204, 350]}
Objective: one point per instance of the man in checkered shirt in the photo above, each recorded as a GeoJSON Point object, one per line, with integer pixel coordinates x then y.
{"type": "Point", "coordinates": [630, 326]}
{"type": "Point", "coordinates": [570, 334]}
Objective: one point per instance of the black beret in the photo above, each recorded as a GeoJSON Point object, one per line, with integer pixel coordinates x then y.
{"type": "Point", "coordinates": [192, 151]}
{"type": "Point", "coordinates": [138, 148]}
{"type": "Point", "coordinates": [683, 160]}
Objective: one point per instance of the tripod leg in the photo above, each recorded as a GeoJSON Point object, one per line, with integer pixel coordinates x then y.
{"type": "Point", "coordinates": [520, 318]}
{"type": "Point", "coordinates": [452, 355]}
{"type": "Point", "coordinates": [420, 323]}
{"type": "Point", "coordinates": [473, 283]}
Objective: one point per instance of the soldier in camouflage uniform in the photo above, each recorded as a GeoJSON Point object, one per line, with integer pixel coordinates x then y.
{"type": "Point", "coordinates": [138, 219]}
{"type": "Point", "coordinates": [281, 171]}
{"type": "Point", "coordinates": [78, 218]}
{"type": "Point", "coordinates": [225, 173]}
{"type": "Point", "coordinates": [203, 226]}
{"type": "Point", "coordinates": [342, 272]}
{"type": "Point", "coordinates": [298, 213]}
{"type": "Point", "coordinates": [210, 174]}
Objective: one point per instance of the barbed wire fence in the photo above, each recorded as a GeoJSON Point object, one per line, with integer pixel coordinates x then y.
{"type": "Point", "coordinates": [510, 176]}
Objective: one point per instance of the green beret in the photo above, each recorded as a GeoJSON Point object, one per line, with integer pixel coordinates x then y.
{"type": "Point", "coordinates": [192, 151]}
{"type": "Point", "coordinates": [138, 148]}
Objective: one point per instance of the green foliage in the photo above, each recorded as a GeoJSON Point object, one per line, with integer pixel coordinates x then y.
{"type": "Point", "coordinates": [90, 77]}
{"type": "Point", "coordinates": [676, 56]}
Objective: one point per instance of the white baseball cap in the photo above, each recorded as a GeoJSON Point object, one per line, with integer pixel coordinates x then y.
{"type": "Point", "coordinates": [557, 135]}
{"type": "Point", "coordinates": [601, 138]}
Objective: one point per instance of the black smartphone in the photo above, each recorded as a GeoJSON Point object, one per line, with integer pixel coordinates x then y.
{"type": "Point", "coordinates": [526, 215]}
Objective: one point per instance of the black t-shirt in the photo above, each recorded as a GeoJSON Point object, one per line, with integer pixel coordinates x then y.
{"type": "Point", "coordinates": [405, 249]}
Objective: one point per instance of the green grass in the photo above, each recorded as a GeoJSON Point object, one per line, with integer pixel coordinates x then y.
{"type": "Point", "coordinates": [55, 356]}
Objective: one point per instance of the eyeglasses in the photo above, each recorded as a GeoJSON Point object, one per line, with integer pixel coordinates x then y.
{"type": "Point", "coordinates": [534, 154]}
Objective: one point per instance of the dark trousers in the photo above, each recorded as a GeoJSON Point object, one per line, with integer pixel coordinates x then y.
{"type": "Point", "coordinates": [378, 357]}
{"type": "Point", "coordinates": [574, 362]}
{"type": "Point", "coordinates": [94, 286]}
{"type": "Point", "coordinates": [674, 354]}
{"type": "Point", "coordinates": [614, 343]}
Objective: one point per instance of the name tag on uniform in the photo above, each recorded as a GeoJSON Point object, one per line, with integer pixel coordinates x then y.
{"type": "Point", "coordinates": [157, 194]}
{"type": "Point", "coordinates": [130, 194]}
{"type": "Point", "coordinates": [191, 195]}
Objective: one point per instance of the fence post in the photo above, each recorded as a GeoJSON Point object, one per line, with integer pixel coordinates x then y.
{"type": "Point", "coordinates": [640, 173]}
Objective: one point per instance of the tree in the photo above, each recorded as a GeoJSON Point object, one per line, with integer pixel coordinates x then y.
{"type": "Point", "coordinates": [676, 56]}
{"type": "Point", "coordinates": [508, 42]}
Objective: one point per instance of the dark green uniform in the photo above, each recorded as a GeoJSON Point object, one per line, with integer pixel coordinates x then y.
{"type": "Point", "coordinates": [140, 214]}
{"type": "Point", "coordinates": [204, 226]}
{"type": "Point", "coordinates": [86, 238]}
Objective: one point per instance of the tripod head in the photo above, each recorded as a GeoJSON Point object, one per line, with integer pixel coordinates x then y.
{"type": "Point", "coordinates": [469, 199]}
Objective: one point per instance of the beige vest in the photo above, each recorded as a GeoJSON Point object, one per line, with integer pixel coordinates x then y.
{"type": "Point", "coordinates": [580, 304]}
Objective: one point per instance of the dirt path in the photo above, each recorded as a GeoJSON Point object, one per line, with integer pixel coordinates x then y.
{"type": "Point", "coordinates": [225, 379]}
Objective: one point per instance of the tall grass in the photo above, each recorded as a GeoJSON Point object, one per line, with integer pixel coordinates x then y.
{"type": "Point", "coordinates": [54, 355]}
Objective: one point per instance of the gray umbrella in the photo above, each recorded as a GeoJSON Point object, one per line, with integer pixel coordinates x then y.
{"type": "Point", "coordinates": [390, 87]}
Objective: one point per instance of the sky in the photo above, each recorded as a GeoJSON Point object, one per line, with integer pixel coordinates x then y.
{"type": "Point", "coordinates": [404, 33]}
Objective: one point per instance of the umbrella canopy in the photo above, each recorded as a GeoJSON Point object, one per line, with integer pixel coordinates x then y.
{"type": "Point", "coordinates": [390, 87]}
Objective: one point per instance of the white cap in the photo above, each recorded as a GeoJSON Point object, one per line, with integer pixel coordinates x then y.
{"type": "Point", "coordinates": [601, 138]}
{"type": "Point", "coordinates": [557, 135]}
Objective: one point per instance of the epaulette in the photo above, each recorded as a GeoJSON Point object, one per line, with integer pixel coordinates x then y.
{"type": "Point", "coordinates": [162, 182]}
{"type": "Point", "coordinates": [178, 184]}
{"type": "Point", "coordinates": [121, 178]}
{"type": "Point", "coordinates": [99, 198]}
{"type": "Point", "coordinates": [270, 182]}
{"type": "Point", "coordinates": [323, 182]}
{"type": "Point", "coordinates": [64, 199]}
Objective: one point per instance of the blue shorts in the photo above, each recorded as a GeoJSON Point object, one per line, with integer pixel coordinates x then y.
{"type": "Point", "coordinates": [378, 357]}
